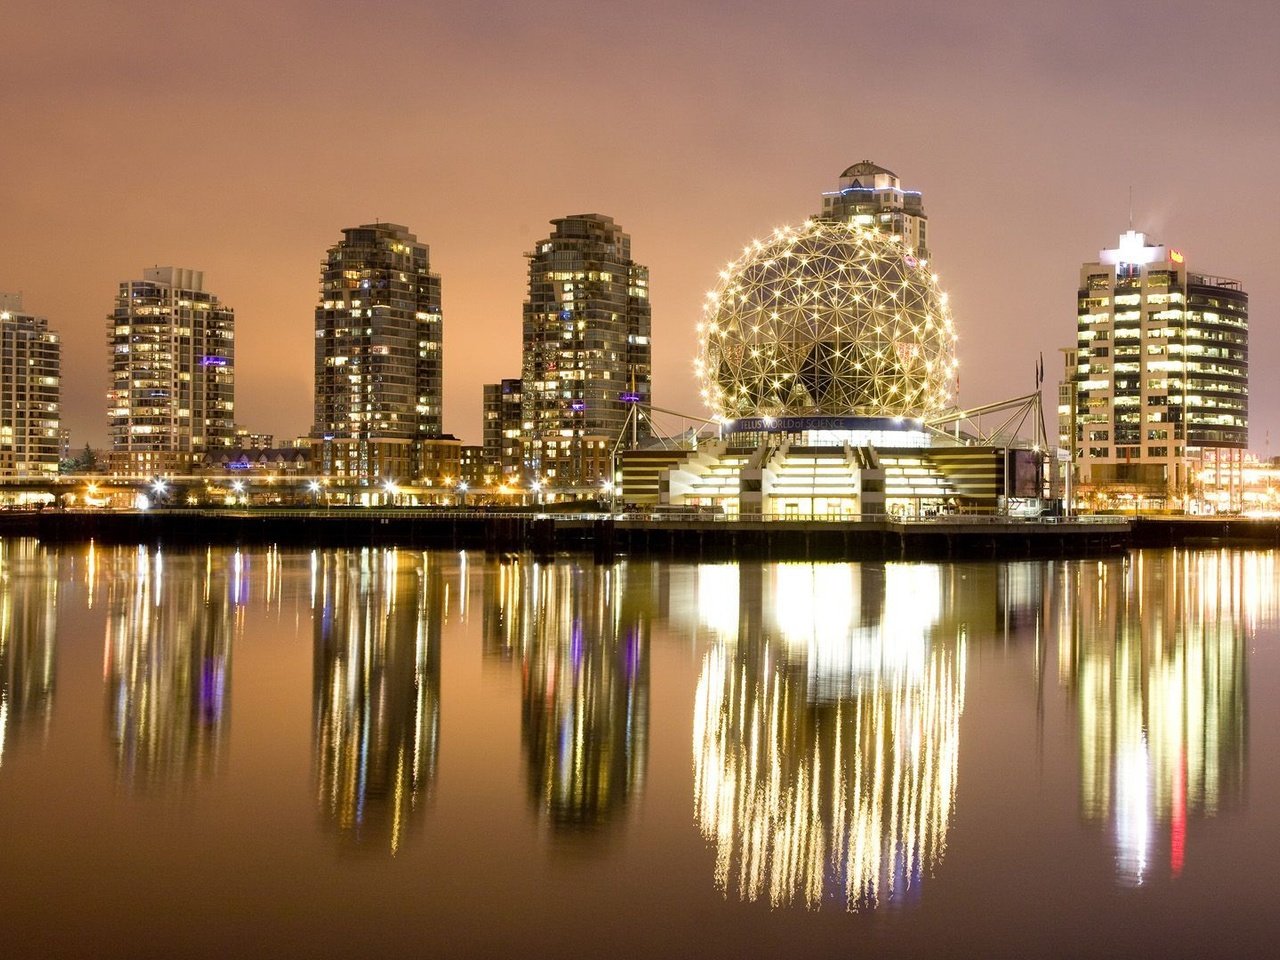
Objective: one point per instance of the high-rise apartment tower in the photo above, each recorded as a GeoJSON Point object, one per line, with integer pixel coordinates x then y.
{"type": "Point", "coordinates": [172, 356]}
{"type": "Point", "coordinates": [587, 355]}
{"type": "Point", "coordinates": [30, 392]}
{"type": "Point", "coordinates": [378, 357]}
{"type": "Point", "coordinates": [1161, 378]}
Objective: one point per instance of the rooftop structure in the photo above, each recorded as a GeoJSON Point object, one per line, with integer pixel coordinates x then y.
{"type": "Point", "coordinates": [871, 196]}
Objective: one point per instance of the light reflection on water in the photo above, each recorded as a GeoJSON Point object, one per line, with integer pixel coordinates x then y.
{"type": "Point", "coordinates": [376, 692]}
{"type": "Point", "coordinates": [1155, 653]}
{"type": "Point", "coordinates": [167, 664]}
{"type": "Point", "coordinates": [826, 743]}
{"type": "Point", "coordinates": [825, 713]}
{"type": "Point", "coordinates": [28, 630]}
{"type": "Point", "coordinates": [581, 638]}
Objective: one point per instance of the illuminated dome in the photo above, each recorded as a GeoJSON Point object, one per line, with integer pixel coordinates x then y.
{"type": "Point", "coordinates": [828, 319]}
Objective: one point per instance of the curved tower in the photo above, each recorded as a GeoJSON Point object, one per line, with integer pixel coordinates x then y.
{"type": "Point", "coordinates": [378, 359]}
{"type": "Point", "coordinates": [586, 358]}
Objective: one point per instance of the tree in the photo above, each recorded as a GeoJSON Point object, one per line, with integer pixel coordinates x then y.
{"type": "Point", "coordinates": [86, 462]}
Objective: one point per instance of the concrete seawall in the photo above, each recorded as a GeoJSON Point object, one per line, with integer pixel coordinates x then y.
{"type": "Point", "coordinates": [601, 535]}
{"type": "Point", "coordinates": [1205, 532]}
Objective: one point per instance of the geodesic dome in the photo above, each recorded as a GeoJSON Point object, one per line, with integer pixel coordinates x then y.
{"type": "Point", "coordinates": [828, 318]}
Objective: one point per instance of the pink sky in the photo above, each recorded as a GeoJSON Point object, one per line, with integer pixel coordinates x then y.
{"type": "Point", "coordinates": [239, 138]}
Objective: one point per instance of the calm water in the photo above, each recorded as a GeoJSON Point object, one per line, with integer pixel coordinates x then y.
{"type": "Point", "coordinates": [363, 753]}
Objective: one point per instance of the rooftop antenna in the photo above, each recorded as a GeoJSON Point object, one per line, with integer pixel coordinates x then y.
{"type": "Point", "coordinates": [1131, 206]}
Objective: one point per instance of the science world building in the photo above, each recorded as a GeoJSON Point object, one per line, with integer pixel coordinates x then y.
{"type": "Point", "coordinates": [827, 361]}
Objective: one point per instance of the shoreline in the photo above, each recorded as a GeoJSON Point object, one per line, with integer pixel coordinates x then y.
{"type": "Point", "coordinates": [600, 535]}
{"type": "Point", "coordinates": [644, 535]}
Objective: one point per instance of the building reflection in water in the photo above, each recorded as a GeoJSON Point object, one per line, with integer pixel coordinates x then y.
{"type": "Point", "coordinates": [377, 616]}
{"type": "Point", "coordinates": [581, 634]}
{"type": "Point", "coordinates": [28, 626]}
{"type": "Point", "coordinates": [503, 607]}
{"type": "Point", "coordinates": [169, 626]}
{"type": "Point", "coordinates": [1154, 651]}
{"type": "Point", "coordinates": [826, 730]}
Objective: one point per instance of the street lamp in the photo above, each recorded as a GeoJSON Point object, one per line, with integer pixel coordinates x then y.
{"type": "Point", "coordinates": [389, 487]}
{"type": "Point", "coordinates": [462, 494]}
{"type": "Point", "coordinates": [536, 487]}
